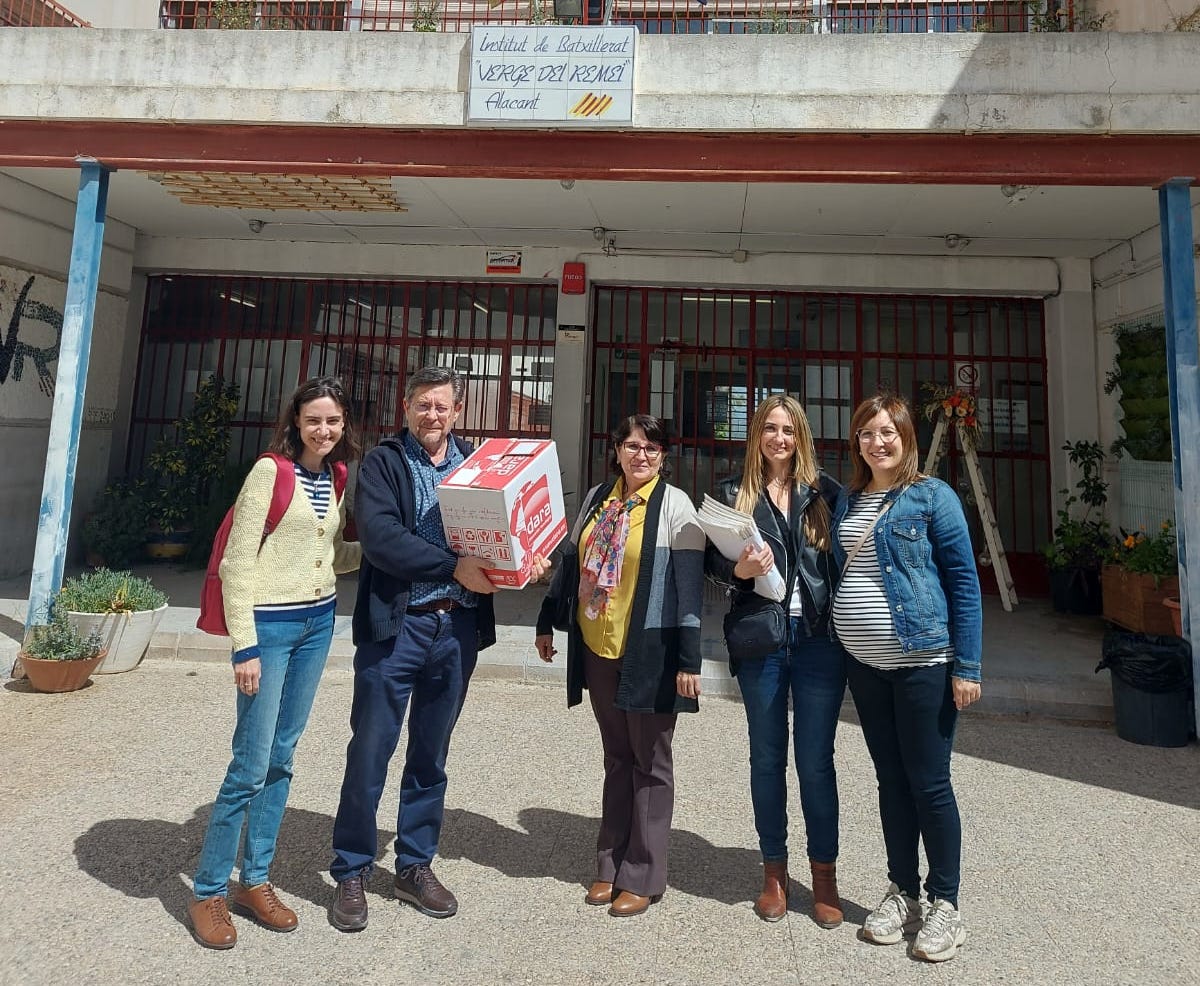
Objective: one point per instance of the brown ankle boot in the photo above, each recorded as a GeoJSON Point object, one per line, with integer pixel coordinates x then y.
{"type": "Point", "coordinates": [827, 905]}
{"type": "Point", "coordinates": [772, 902]}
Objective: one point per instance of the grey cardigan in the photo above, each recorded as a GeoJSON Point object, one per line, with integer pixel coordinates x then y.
{"type": "Point", "coordinates": [664, 623]}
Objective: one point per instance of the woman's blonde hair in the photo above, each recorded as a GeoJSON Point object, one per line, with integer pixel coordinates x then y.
{"type": "Point", "coordinates": [902, 420]}
{"type": "Point", "coordinates": [804, 470]}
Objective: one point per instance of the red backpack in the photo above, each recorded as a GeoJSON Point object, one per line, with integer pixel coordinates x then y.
{"type": "Point", "coordinates": [212, 599]}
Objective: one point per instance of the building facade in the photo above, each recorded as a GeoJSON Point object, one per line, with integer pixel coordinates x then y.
{"type": "Point", "coordinates": [807, 197]}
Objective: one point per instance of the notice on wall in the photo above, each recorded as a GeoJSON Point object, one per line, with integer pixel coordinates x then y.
{"type": "Point", "coordinates": [580, 76]}
{"type": "Point", "coordinates": [503, 262]}
{"type": "Point", "coordinates": [1004, 417]}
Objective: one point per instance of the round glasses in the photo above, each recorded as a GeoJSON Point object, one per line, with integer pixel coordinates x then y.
{"type": "Point", "coordinates": [651, 452]}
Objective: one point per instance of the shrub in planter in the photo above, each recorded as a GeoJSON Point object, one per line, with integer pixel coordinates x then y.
{"type": "Point", "coordinates": [1141, 572]}
{"type": "Point", "coordinates": [122, 608]}
{"type": "Point", "coordinates": [1082, 540]}
{"type": "Point", "coordinates": [115, 531]}
{"type": "Point", "coordinates": [57, 657]}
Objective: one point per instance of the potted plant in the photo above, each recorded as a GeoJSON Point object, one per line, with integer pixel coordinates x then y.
{"type": "Point", "coordinates": [123, 609]}
{"type": "Point", "coordinates": [185, 460]}
{"type": "Point", "coordinates": [1141, 573]}
{"type": "Point", "coordinates": [114, 533]}
{"type": "Point", "coordinates": [57, 657]}
{"type": "Point", "coordinates": [1082, 539]}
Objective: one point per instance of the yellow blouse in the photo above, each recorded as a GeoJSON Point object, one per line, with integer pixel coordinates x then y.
{"type": "Point", "coordinates": [605, 635]}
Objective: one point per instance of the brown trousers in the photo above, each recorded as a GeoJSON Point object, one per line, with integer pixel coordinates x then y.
{"type": "Point", "coordinates": [639, 786]}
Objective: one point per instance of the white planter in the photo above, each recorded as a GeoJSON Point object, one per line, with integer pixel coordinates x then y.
{"type": "Point", "coordinates": [125, 635]}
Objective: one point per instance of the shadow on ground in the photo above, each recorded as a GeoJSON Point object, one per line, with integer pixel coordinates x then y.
{"type": "Point", "coordinates": [150, 858]}
{"type": "Point", "coordinates": [560, 845]}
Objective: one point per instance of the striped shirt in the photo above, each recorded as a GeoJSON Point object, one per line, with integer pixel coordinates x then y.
{"type": "Point", "coordinates": [319, 488]}
{"type": "Point", "coordinates": [862, 616]}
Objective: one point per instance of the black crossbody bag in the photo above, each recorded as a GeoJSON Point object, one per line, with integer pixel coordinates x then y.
{"type": "Point", "coordinates": [757, 626]}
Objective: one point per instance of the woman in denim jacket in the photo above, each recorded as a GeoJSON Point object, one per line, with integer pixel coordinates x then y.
{"type": "Point", "coordinates": [908, 611]}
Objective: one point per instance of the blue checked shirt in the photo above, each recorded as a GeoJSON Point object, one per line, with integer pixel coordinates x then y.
{"type": "Point", "coordinates": [426, 478]}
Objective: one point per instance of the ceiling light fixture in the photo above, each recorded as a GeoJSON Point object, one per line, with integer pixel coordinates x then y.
{"type": "Point", "coordinates": [237, 298]}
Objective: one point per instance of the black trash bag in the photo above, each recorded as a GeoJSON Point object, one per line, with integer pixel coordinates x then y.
{"type": "Point", "coordinates": [1148, 662]}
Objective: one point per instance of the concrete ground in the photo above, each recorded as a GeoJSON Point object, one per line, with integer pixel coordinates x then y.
{"type": "Point", "coordinates": [1080, 857]}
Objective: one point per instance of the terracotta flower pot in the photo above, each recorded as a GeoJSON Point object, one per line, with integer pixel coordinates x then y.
{"type": "Point", "coordinates": [1176, 614]}
{"type": "Point", "coordinates": [59, 676]}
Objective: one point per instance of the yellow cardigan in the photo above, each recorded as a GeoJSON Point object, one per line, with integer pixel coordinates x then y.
{"type": "Point", "coordinates": [299, 561]}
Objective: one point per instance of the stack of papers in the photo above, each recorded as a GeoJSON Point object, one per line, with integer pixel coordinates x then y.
{"type": "Point", "coordinates": [730, 531]}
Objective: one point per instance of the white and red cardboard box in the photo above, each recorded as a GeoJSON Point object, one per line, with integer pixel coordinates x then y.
{"type": "Point", "coordinates": [505, 505]}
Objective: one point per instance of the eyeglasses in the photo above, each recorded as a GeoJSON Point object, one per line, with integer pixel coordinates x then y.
{"type": "Point", "coordinates": [651, 452]}
{"type": "Point", "coordinates": [424, 409]}
{"type": "Point", "coordinates": [886, 435]}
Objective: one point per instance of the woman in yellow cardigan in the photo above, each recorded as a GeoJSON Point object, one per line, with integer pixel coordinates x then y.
{"type": "Point", "coordinates": [279, 595]}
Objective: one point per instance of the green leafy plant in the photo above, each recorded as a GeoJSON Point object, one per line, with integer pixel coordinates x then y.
{"type": "Point", "coordinates": [1059, 15]}
{"type": "Point", "coordinates": [106, 591]}
{"type": "Point", "coordinates": [426, 16]}
{"type": "Point", "coordinates": [115, 530]}
{"type": "Point", "coordinates": [58, 640]}
{"type": "Point", "coordinates": [1140, 374]}
{"type": "Point", "coordinates": [230, 15]}
{"type": "Point", "coordinates": [189, 455]}
{"type": "Point", "coordinates": [1082, 538]}
{"type": "Point", "coordinates": [1148, 554]}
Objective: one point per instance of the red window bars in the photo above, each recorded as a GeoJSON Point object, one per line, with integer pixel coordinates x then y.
{"type": "Point", "coordinates": [37, 13]}
{"type": "Point", "coordinates": [650, 16]}
{"type": "Point", "coordinates": [702, 360]}
{"type": "Point", "coordinates": [267, 334]}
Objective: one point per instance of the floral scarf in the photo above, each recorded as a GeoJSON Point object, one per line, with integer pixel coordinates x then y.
{"type": "Point", "coordinates": [600, 570]}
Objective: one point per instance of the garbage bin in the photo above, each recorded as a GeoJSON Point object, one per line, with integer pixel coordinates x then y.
{"type": "Point", "coordinates": [1151, 687]}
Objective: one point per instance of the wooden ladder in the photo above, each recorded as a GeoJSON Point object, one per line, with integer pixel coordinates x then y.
{"type": "Point", "coordinates": [991, 531]}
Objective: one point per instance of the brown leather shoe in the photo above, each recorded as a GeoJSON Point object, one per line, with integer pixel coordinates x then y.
{"type": "Point", "coordinates": [262, 904]}
{"type": "Point", "coordinates": [349, 909]}
{"type": "Point", "coordinates": [772, 902]}
{"type": "Point", "coordinates": [827, 904]}
{"type": "Point", "coordinates": [212, 926]}
{"type": "Point", "coordinates": [626, 905]}
{"type": "Point", "coordinates": [417, 885]}
{"type": "Point", "coordinates": [599, 893]}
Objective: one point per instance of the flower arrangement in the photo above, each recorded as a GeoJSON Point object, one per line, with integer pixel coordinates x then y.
{"type": "Point", "coordinates": [959, 408]}
{"type": "Point", "coordinates": [1148, 554]}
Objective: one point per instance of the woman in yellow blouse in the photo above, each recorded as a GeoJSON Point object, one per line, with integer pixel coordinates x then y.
{"type": "Point", "coordinates": [635, 646]}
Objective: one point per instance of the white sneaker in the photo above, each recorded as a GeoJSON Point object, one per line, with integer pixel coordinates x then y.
{"type": "Point", "coordinates": [896, 914]}
{"type": "Point", "coordinates": [941, 934]}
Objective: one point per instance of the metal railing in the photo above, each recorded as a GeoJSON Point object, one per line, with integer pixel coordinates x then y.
{"type": "Point", "coordinates": [38, 13]}
{"type": "Point", "coordinates": [649, 16]}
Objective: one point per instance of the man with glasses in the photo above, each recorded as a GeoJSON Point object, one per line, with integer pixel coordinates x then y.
{"type": "Point", "coordinates": [421, 617]}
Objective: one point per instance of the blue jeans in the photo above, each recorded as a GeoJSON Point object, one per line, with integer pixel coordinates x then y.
{"type": "Point", "coordinates": [813, 671]}
{"type": "Point", "coordinates": [259, 777]}
{"type": "Point", "coordinates": [430, 661]}
{"type": "Point", "coordinates": [908, 718]}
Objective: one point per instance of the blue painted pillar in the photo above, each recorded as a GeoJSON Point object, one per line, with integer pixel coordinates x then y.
{"type": "Point", "coordinates": [58, 483]}
{"type": "Point", "coordinates": [1183, 375]}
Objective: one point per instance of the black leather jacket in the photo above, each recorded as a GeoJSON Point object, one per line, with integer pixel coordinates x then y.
{"type": "Point", "coordinates": [817, 573]}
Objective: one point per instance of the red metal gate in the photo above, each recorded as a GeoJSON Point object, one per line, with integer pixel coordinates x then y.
{"type": "Point", "coordinates": [702, 359]}
{"type": "Point", "coordinates": [266, 334]}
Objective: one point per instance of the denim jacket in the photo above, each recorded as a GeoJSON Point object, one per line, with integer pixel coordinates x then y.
{"type": "Point", "coordinates": [928, 567]}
